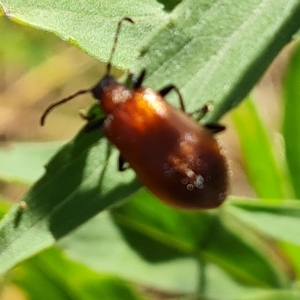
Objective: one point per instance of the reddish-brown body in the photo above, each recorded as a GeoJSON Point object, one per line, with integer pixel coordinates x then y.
{"type": "Point", "coordinates": [177, 159]}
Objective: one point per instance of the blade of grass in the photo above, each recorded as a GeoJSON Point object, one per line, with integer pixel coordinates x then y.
{"type": "Point", "coordinates": [291, 125]}
{"type": "Point", "coordinates": [261, 163]}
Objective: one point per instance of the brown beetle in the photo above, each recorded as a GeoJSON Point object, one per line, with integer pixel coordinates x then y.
{"type": "Point", "coordinates": [176, 158]}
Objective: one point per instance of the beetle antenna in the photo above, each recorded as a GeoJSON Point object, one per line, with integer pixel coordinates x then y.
{"type": "Point", "coordinates": [108, 67]}
{"type": "Point", "coordinates": [81, 92]}
{"type": "Point", "coordinates": [53, 105]}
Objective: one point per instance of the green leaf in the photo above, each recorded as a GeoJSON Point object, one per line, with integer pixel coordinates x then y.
{"type": "Point", "coordinates": [77, 185]}
{"type": "Point", "coordinates": [262, 167]}
{"type": "Point", "coordinates": [89, 245]}
{"type": "Point", "coordinates": [273, 295]}
{"type": "Point", "coordinates": [291, 127]}
{"type": "Point", "coordinates": [99, 245]}
{"type": "Point", "coordinates": [291, 251]}
{"type": "Point", "coordinates": [159, 233]}
{"type": "Point", "coordinates": [280, 220]}
{"type": "Point", "coordinates": [51, 275]}
{"type": "Point", "coordinates": [91, 24]}
{"type": "Point", "coordinates": [23, 161]}
{"type": "Point", "coordinates": [217, 50]}
{"type": "Point", "coordinates": [4, 206]}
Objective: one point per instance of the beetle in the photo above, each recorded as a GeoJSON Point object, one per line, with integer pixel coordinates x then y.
{"type": "Point", "coordinates": [174, 156]}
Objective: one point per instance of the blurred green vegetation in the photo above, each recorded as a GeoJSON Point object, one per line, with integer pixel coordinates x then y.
{"type": "Point", "coordinates": [36, 68]}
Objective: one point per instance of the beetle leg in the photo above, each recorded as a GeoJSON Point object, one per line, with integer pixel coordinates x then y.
{"type": "Point", "coordinates": [139, 81]}
{"type": "Point", "coordinates": [163, 92]}
{"type": "Point", "coordinates": [121, 164]}
{"type": "Point", "coordinates": [214, 127]}
{"type": "Point", "coordinates": [130, 80]}
{"type": "Point", "coordinates": [83, 115]}
{"type": "Point", "coordinates": [203, 110]}
{"type": "Point", "coordinates": [93, 124]}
